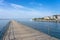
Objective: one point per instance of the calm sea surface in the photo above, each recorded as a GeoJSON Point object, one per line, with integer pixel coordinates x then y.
{"type": "Point", "coordinates": [50, 28]}
{"type": "Point", "coordinates": [3, 27]}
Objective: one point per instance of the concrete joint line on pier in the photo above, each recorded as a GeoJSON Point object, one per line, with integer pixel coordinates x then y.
{"type": "Point", "coordinates": [18, 31]}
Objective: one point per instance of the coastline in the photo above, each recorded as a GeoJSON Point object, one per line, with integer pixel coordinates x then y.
{"type": "Point", "coordinates": [58, 21]}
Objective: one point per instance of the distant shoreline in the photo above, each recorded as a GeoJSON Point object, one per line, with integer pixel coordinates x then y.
{"type": "Point", "coordinates": [58, 21]}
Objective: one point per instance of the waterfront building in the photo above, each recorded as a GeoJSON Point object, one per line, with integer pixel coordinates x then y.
{"type": "Point", "coordinates": [56, 17]}
{"type": "Point", "coordinates": [51, 17]}
{"type": "Point", "coordinates": [47, 17]}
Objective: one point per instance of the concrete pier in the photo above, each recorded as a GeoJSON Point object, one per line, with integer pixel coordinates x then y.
{"type": "Point", "coordinates": [18, 31]}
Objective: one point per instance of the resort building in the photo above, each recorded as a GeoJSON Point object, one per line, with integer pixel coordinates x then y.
{"type": "Point", "coordinates": [56, 17]}
{"type": "Point", "coordinates": [47, 17]}
{"type": "Point", "coordinates": [51, 17]}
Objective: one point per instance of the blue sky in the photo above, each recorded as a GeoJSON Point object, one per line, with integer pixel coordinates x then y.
{"type": "Point", "coordinates": [28, 8]}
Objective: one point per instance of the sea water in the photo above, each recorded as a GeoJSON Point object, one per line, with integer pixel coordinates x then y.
{"type": "Point", "coordinates": [3, 27]}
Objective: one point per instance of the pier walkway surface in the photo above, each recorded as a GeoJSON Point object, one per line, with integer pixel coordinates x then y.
{"type": "Point", "coordinates": [19, 31]}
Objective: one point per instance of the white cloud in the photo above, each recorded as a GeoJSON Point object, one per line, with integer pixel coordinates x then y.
{"type": "Point", "coordinates": [17, 6]}
{"type": "Point", "coordinates": [19, 11]}
{"type": "Point", "coordinates": [20, 7]}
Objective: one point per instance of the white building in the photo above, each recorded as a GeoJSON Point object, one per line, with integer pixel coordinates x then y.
{"type": "Point", "coordinates": [56, 17]}
{"type": "Point", "coordinates": [47, 17]}
{"type": "Point", "coordinates": [51, 17]}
